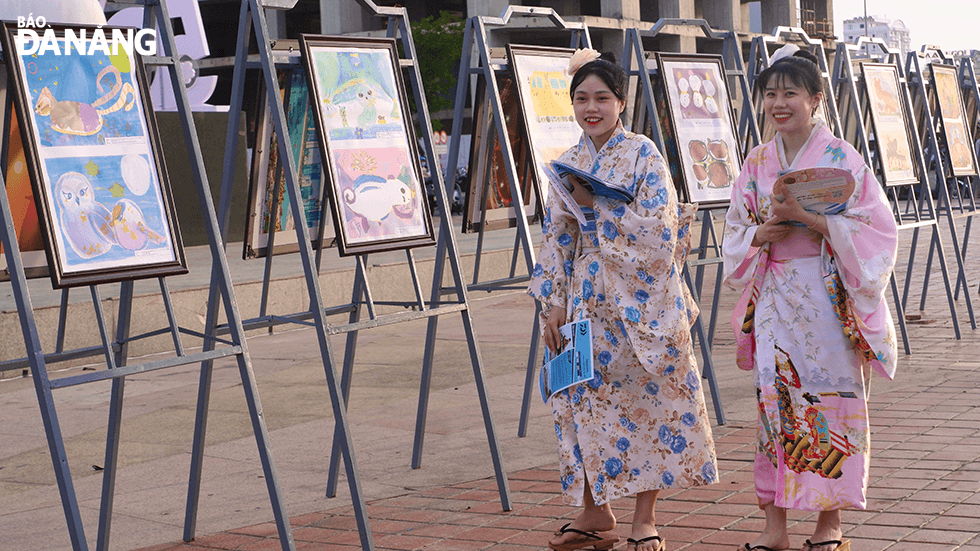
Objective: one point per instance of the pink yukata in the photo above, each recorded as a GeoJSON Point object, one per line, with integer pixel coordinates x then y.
{"type": "Point", "coordinates": [812, 345]}
{"type": "Point", "coordinates": [640, 424]}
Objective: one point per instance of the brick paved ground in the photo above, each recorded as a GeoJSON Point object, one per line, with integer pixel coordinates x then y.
{"type": "Point", "coordinates": [924, 493]}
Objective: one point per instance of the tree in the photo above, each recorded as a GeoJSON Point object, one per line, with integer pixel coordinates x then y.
{"type": "Point", "coordinates": [438, 45]}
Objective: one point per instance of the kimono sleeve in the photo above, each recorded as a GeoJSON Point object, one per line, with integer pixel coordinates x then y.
{"type": "Point", "coordinates": [864, 240]}
{"type": "Point", "coordinates": [637, 244]}
{"type": "Point", "coordinates": [556, 254]}
{"type": "Point", "coordinates": [741, 222]}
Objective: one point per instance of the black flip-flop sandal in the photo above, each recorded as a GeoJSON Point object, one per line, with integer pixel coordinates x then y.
{"type": "Point", "coordinates": [594, 539]}
{"type": "Point", "coordinates": [661, 545]}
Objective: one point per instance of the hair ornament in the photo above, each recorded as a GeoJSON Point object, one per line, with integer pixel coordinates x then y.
{"type": "Point", "coordinates": [580, 58]}
{"type": "Point", "coordinates": [786, 51]}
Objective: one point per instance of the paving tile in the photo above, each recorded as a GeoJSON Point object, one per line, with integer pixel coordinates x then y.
{"type": "Point", "coordinates": [951, 537]}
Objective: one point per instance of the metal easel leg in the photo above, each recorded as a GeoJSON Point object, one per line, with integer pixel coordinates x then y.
{"type": "Point", "coordinates": [333, 472]}
{"type": "Point", "coordinates": [114, 428]}
{"type": "Point", "coordinates": [532, 363]}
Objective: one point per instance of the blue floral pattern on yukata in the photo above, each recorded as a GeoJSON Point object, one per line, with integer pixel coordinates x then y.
{"type": "Point", "coordinates": [640, 424]}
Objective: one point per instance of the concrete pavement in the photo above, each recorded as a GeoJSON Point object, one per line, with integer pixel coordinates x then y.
{"type": "Point", "coordinates": [925, 473]}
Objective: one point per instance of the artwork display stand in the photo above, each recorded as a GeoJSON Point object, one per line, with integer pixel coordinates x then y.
{"type": "Point", "coordinates": [938, 160]}
{"type": "Point", "coordinates": [968, 193]}
{"type": "Point", "coordinates": [472, 68]}
{"type": "Point", "coordinates": [115, 349]}
{"type": "Point", "coordinates": [708, 250]}
{"type": "Point", "coordinates": [912, 203]}
{"type": "Point", "coordinates": [759, 57]}
{"type": "Point", "coordinates": [252, 18]}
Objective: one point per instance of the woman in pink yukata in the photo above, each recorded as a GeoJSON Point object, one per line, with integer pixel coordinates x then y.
{"type": "Point", "coordinates": [640, 424]}
{"type": "Point", "coordinates": [812, 321]}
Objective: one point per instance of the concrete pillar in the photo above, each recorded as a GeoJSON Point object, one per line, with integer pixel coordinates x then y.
{"type": "Point", "coordinates": [777, 13]}
{"type": "Point", "coordinates": [620, 9]}
{"type": "Point", "coordinates": [342, 16]}
{"type": "Point", "coordinates": [486, 7]}
{"type": "Point", "coordinates": [682, 9]}
{"type": "Point", "coordinates": [721, 14]}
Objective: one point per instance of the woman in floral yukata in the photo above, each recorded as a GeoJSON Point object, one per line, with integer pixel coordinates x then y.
{"type": "Point", "coordinates": [640, 425]}
{"type": "Point", "coordinates": [812, 320]}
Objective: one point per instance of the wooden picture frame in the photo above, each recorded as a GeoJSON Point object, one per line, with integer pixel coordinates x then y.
{"type": "Point", "coordinates": [959, 143]}
{"type": "Point", "coordinates": [488, 183]}
{"type": "Point", "coordinates": [265, 167]}
{"type": "Point", "coordinates": [368, 143]}
{"type": "Point", "coordinates": [543, 86]}
{"type": "Point", "coordinates": [93, 154]}
{"type": "Point", "coordinates": [891, 123]}
{"type": "Point", "coordinates": [695, 92]}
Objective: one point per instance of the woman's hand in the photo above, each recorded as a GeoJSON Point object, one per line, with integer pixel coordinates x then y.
{"type": "Point", "coordinates": [785, 207]}
{"type": "Point", "coordinates": [581, 194]}
{"type": "Point", "coordinates": [772, 231]}
{"type": "Point", "coordinates": [552, 335]}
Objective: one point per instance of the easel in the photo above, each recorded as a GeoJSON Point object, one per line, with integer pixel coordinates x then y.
{"type": "Point", "coordinates": [483, 66]}
{"type": "Point", "coordinates": [940, 162]}
{"type": "Point", "coordinates": [636, 63]}
{"type": "Point", "coordinates": [759, 61]}
{"type": "Point", "coordinates": [252, 17]}
{"type": "Point", "coordinates": [116, 351]}
{"type": "Point", "coordinates": [968, 76]}
{"type": "Point", "coordinates": [911, 213]}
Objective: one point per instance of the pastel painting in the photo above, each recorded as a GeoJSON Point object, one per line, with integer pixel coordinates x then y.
{"type": "Point", "coordinates": [83, 100]}
{"type": "Point", "coordinates": [107, 212]}
{"type": "Point", "coordinates": [379, 194]}
{"type": "Point", "coordinates": [358, 97]}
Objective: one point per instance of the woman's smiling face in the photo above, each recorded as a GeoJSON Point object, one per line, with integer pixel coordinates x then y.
{"type": "Point", "coordinates": [788, 106]}
{"type": "Point", "coordinates": [597, 109]}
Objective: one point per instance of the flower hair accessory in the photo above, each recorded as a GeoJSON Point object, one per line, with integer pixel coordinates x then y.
{"type": "Point", "coordinates": [580, 58]}
{"type": "Point", "coordinates": [786, 51]}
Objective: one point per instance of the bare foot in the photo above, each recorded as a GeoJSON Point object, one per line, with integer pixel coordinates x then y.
{"type": "Point", "coordinates": [776, 542]}
{"type": "Point", "coordinates": [641, 531]}
{"type": "Point", "coordinates": [827, 529]}
{"type": "Point", "coordinates": [826, 536]}
{"type": "Point", "coordinates": [594, 520]}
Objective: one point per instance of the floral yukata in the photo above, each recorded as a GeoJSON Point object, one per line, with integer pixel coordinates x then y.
{"type": "Point", "coordinates": [640, 424]}
{"type": "Point", "coordinates": [812, 322]}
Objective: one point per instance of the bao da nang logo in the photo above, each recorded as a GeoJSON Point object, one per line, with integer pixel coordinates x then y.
{"type": "Point", "coordinates": [81, 41]}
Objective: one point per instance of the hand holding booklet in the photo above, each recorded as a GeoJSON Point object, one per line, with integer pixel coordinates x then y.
{"type": "Point", "coordinates": [822, 190]}
{"type": "Point", "coordinates": [561, 175]}
{"type": "Point", "coordinates": [573, 365]}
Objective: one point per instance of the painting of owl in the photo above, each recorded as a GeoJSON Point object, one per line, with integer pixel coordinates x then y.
{"type": "Point", "coordinates": [84, 221]}
{"type": "Point", "coordinates": [91, 229]}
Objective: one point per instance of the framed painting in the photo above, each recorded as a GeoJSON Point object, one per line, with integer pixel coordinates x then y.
{"type": "Point", "coordinates": [20, 196]}
{"type": "Point", "coordinates": [366, 137]}
{"type": "Point", "coordinates": [93, 155]}
{"type": "Point", "coordinates": [546, 105]}
{"type": "Point", "coordinates": [265, 214]}
{"type": "Point", "coordinates": [489, 185]}
{"type": "Point", "coordinates": [946, 87]}
{"type": "Point", "coordinates": [891, 123]}
{"type": "Point", "coordinates": [701, 119]}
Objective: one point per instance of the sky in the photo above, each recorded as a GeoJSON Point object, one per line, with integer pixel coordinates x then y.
{"type": "Point", "coordinates": [949, 24]}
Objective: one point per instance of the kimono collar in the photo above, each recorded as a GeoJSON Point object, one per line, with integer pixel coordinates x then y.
{"type": "Point", "coordinates": [781, 148]}
{"type": "Point", "coordinates": [613, 140]}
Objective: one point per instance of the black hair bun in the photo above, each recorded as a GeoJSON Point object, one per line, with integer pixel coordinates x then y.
{"type": "Point", "coordinates": [807, 55]}
{"type": "Point", "coordinates": [608, 56]}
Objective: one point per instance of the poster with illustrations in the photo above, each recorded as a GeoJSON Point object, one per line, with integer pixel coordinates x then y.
{"type": "Point", "coordinates": [93, 156]}
{"type": "Point", "coordinates": [268, 211]}
{"type": "Point", "coordinates": [700, 115]}
{"type": "Point", "coordinates": [20, 196]}
{"type": "Point", "coordinates": [546, 105]}
{"type": "Point", "coordinates": [945, 82]}
{"type": "Point", "coordinates": [368, 141]}
{"type": "Point", "coordinates": [489, 184]}
{"type": "Point", "coordinates": [891, 123]}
